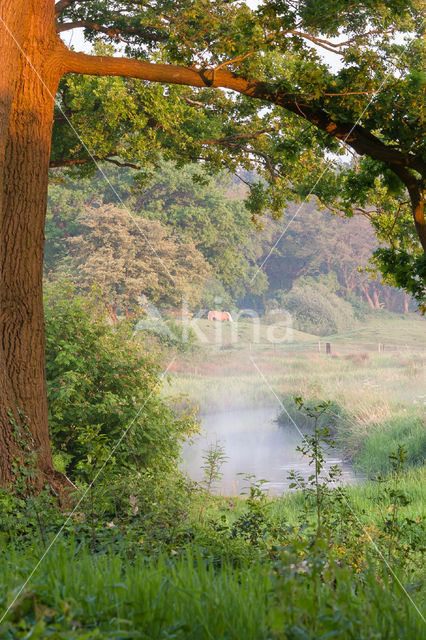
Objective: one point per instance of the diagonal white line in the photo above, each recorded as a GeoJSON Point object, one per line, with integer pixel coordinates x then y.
{"type": "Point", "coordinates": [316, 182]}
{"type": "Point", "coordinates": [123, 435]}
{"type": "Point", "coordinates": [372, 542]}
{"type": "Point", "coordinates": [275, 396]}
{"type": "Point", "coordinates": [160, 378]}
{"type": "Point", "coordinates": [97, 164]}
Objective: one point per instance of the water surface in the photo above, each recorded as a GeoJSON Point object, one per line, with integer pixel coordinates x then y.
{"type": "Point", "coordinates": [255, 444]}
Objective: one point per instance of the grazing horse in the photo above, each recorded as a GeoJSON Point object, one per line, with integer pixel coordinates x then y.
{"type": "Point", "coordinates": [220, 316]}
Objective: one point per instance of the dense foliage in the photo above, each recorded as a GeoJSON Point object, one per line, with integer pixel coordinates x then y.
{"type": "Point", "coordinates": [150, 555]}
{"type": "Point", "coordinates": [127, 256]}
{"type": "Point", "coordinates": [123, 250]}
{"type": "Point", "coordinates": [103, 392]}
{"type": "Point", "coordinates": [315, 309]}
{"type": "Point", "coordinates": [329, 81]}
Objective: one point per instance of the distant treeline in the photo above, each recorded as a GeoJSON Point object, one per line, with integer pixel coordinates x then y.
{"type": "Point", "coordinates": [177, 233]}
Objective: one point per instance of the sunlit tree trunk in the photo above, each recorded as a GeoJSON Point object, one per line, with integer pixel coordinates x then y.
{"type": "Point", "coordinates": [406, 300]}
{"type": "Point", "coordinates": [377, 303]}
{"type": "Point", "coordinates": [31, 59]}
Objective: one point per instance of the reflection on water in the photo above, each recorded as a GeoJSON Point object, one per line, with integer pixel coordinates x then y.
{"type": "Point", "coordinates": [255, 444]}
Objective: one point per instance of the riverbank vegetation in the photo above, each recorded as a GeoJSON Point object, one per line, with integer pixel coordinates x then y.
{"type": "Point", "coordinates": [151, 555]}
{"type": "Point", "coordinates": [377, 396]}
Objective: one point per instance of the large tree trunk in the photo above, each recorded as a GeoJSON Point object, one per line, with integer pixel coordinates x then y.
{"type": "Point", "coordinates": [32, 61]}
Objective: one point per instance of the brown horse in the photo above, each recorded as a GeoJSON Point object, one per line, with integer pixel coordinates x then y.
{"type": "Point", "coordinates": [220, 316]}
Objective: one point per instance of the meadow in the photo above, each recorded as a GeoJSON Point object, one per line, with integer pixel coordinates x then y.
{"type": "Point", "coordinates": [378, 396]}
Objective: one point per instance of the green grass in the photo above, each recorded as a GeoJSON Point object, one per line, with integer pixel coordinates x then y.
{"type": "Point", "coordinates": [383, 439]}
{"type": "Point", "coordinates": [75, 594]}
{"type": "Point", "coordinates": [214, 586]}
{"type": "Point", "coordinates": [200, 582]}
{"type": "Point", "coordinates": [365, 499]}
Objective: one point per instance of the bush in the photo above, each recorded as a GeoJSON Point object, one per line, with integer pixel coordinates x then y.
{"type": "Point", "coordinates": [316, 310]}
{"type": "Point", "coordinates": [99, 384]}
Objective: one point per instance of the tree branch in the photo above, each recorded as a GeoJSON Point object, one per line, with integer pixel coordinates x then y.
{"type": "Point", "coordinates": [355, 135]}
{"type": "Point", "coordinates": [118, 163]}
{"type": "Point", "coordinates": [112, 32]}
{"type": "Point", "coordinates": [237, 136]}
{"type": "Point", "coordinates": [71, 162]}
{"type": "Point", "coordinates": [194, 103]}
{"type": "Point", "coordinates": [61, 5]}
{"type": "Point", "coordinates": [333, 47]}
{"type": "Point", "coordinates": [360, 139]}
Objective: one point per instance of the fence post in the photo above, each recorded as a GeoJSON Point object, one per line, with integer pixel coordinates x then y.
{"type": "Point", "coordinates": [328, 347]}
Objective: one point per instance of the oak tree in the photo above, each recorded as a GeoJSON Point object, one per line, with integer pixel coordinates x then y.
{"type": "Point", "coordinates": [288, 110]}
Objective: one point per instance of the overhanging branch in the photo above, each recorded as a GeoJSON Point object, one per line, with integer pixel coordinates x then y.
{"type": "Point", "coordinates": [360, 139]}
{"type": "Point", "coordinates": [72, 162]}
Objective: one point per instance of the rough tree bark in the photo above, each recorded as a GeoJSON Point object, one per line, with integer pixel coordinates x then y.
{"type": "Point", "coordinates": [33, 68]}
{"type": "Point", "coordinates": [33, 61]}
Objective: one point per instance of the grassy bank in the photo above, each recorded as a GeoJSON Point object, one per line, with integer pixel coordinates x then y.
{"type": "Point", "coordinates": [149, 555]}
{"type": "Point", "coordinates": [253, 568]}
{"type": "Point", "coordinates": [78, 595]}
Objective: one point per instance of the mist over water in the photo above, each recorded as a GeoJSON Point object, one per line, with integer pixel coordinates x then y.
{"type": "Point", "coordinates": [255, 444]}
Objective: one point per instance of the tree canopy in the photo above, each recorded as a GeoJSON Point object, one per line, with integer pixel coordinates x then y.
{"type": "Point", "coordinates": [338, 108]}
{"type": "Point", "coordinates": [211, 217]}
{"type": "Point", "coordinates": [128, 256]}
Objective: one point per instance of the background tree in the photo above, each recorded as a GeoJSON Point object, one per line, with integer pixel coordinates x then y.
{"type": "Point", "coordinates": [211, 214]}
{"type": "Point", "coordinates": [321, 244]}
{"type": "Point", "coordinates": [128, 256]}
{"type": "Point", "coordinates": [264, 54]}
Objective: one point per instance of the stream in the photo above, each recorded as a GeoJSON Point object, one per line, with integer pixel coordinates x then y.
{"type": "Point", "coordinates": [255, 444]}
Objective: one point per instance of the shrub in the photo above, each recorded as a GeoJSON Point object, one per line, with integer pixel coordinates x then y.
{"type": "Point", "coordinates": [98, 379]}
{"type": "Point", "coordinates": [168, 333]}
{"type": "Point", "coordinates": [316, 310]}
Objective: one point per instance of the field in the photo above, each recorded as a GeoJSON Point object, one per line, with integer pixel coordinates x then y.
{"type": "Point", "coordinates": [374, 377]}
